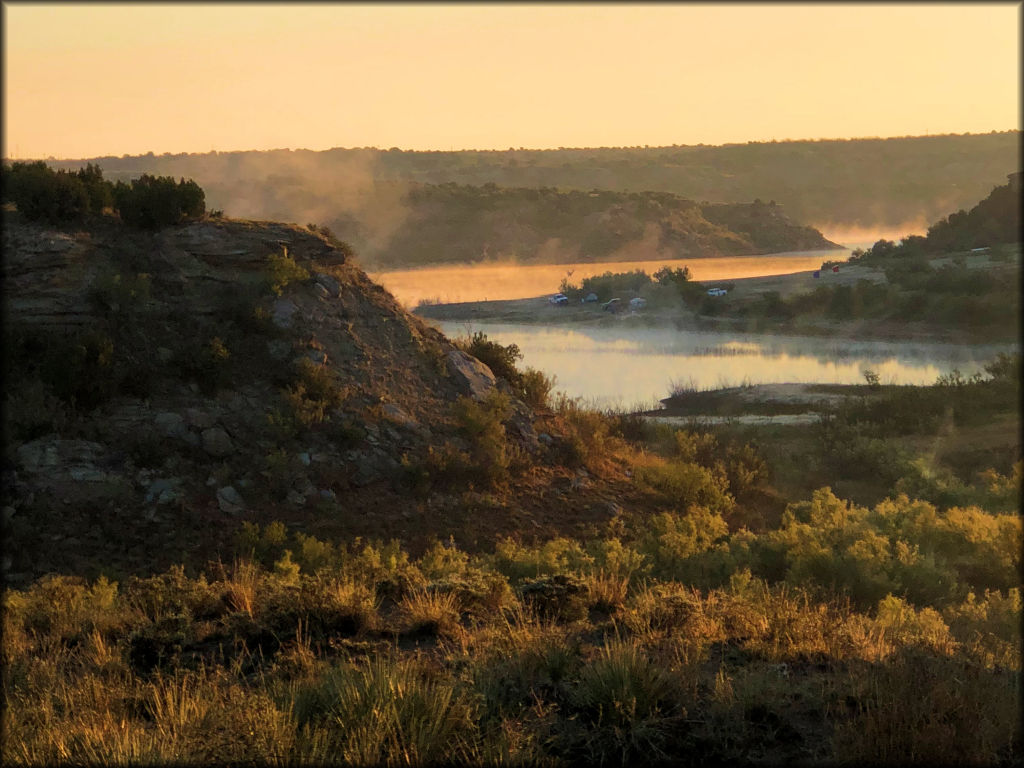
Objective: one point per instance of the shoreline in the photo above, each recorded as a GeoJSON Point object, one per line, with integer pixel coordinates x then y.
{"type": "Point", "coordinates": [538, 311]}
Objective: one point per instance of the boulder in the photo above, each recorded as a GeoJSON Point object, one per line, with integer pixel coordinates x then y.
{"type": "Point", "coordinates": [199, 419]}
{"type": "Point", "coordinates": [329, 284]}
{"type": "Point", "coordinates": [230, 501]}
{"type": "Point", "coordinates": [283, 311]}
{"type": "Point", "coordinates": [61, 460]}
{"type": "Point", "coordinates": [216, 442]}
{"type": "Point", "coordinates": [164, 490]}
{"type": "Point", "coordinates": [473, 377]}
{"type": "Point", "coordinates": [371, 466]}
{"type": "Point", "coordinates": [398, 416]}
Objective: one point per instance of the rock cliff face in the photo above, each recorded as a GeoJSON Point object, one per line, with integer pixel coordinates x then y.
{"type": "Point", "coordinates": [177, 379]}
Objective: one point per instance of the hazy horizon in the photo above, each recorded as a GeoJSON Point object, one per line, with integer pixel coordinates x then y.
{"type": "Point", "coordinates": [242, 150]}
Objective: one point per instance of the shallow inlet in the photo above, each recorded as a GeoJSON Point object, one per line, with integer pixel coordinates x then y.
{"type": "Point", "coordinates": [626, 367]}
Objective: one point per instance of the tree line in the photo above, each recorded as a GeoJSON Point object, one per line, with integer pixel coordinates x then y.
{"type": "Point", "coordinates": [64, 196]}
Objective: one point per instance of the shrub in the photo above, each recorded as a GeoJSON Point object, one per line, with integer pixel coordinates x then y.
{"type": "Point", "coordinates": [159, 646]}
{"type": "Point", "coordinates": [64, 607]}
{"type": "Point", "coordinates": [609, 284]}
{"type": "Point", "coordinates": [208, 362]}
{"type": "Point", "coordinates": [320, 607]}
{"type": "Point", "coordinates": [264, 546]}
{"type": "Point", "coordinates": [282, 271]}
{"type": "Point", "coordinates": [554, 557]}
{"type": "Point", "coordinates": [688, 548]}
{"type": "Point", "coordinates": [625, 708]}
{"type": "Point", "coordinates": [683, 484]}
{"type": "Point", "coordinates": [559, 598]}
{"type": "Point", "coordinates": [903, 625]}
{"type": "Point", "coordinates": [588, 441]}
{"type": "Point", "coordinates": [482, 423]}
{"type": "Point", "coordinates": [154, 202]}
{"type": "Point", "coordinates": [500, 358]}
{"type": "Point", "coordinates": [663, 608]}
{"type": "Point", "coordinates": [535, 387]}
{"type": "Point", "coordinates": [429, 612]}
{"type": "Point", "coordinates": [314, 393]}
{"type": "Point", "coordinates": [42, 194]}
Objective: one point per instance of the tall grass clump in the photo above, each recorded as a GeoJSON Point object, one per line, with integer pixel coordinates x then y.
{"type": "Point", "coordinates": [385, 711]}
{"type": "Point", "coordinates": [624, 708]}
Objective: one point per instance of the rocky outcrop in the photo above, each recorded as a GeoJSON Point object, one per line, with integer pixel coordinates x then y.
{"type": "Point", "coordinates": [52, 459]}
{"type": "Point", "coordinates": [335, 390]}
{"type": "Point", "coordinates": [473, 377]}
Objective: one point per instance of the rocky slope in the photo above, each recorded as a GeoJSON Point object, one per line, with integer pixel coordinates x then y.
{"type": "Point", "coordinates": [160, 391]}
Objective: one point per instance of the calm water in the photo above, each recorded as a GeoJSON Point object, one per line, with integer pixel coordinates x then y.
{"type": "Point", "coordinates": [490, 282]}
{"type": "Point", "coordinates": [624, 366]}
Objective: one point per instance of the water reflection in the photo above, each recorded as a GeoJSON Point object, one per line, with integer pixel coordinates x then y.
{"type": "Point", "coordinates": [493, 282]}
{"type": "Point", "coordinates": [628, 366]}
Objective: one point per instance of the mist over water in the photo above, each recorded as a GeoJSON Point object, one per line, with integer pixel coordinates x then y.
{"type": "Point", "coordinates": [624, 366]}
{"type": "Point", "coordinates": [494, 282]}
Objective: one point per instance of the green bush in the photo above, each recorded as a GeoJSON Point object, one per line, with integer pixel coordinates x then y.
{"type": "Point", "coordinates": [314, 394]}
{"type": "Point", "coordinates": [154, 202]}
{"type": "Point", "coordinates": [500, 358]}
{"type": "Point", "coordinates": [560, 597]}
{"type": "Point", "coordinates": [282, 271]}
{"type": "Point", "coordinates": [42, 194]}
{"type": "Point", "coordinates": [482, 424]}
{"type": "Point", "coordinates": [683, 484]}
{"type": "Point", "coordinates": [608, 286]}
{"type": "Point", "coordinates": [530, 385]}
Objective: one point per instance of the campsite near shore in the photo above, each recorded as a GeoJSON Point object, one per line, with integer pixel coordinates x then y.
{"type": "Point", "coordinates": [746, 294]}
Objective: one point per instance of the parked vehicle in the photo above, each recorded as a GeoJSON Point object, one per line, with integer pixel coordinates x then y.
{"type": "Point", "coordinates": [717, 291]}
{"type": "Point", "coordinates": [559, 298]}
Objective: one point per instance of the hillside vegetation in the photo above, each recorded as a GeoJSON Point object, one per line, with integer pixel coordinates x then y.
{"type": "Point", "coordinates": [867, 183]}
{"type": "Point", "coordinates": [964, 276]}
{"type": "Point", "coordinates": [451, 223]}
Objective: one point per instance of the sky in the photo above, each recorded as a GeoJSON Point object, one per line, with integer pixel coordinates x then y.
{"type": "Point", "coordinates": [89, 80]}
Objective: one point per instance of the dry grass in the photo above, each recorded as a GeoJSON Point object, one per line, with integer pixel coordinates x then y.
{"type": "Point", "coordinates": [270, 664]}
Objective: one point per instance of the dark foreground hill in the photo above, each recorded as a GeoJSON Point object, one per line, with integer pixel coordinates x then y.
{"type": "Point", "coordinates": [162, 387]}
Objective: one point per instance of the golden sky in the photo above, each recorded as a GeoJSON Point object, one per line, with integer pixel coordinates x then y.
{"type": "Point", "coordinates": [92, 79]}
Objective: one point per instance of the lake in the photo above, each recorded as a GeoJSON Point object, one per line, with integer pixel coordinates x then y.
{"type": "Point", "coordinates": [492, 282]}
{"type": "Point", "coordinates": [626, 367]}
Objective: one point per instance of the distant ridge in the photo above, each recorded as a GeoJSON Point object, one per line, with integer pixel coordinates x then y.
{"type": "Point", "coordinates": [831, 184]}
